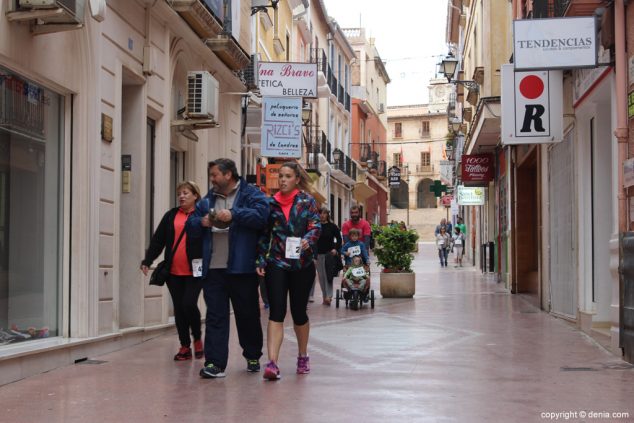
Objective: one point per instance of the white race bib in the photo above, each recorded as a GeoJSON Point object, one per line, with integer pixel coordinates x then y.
{"type": "Point", "coordinates": [354, 251]}
{"type": "Point", "coordinates": [441, 242]}
{"type": "Point", "coordinates": [293, 247]}
{"type": "Point", "coordinates": [358, 272]}
{"type": "Point", "coordinates": [458, 241]}
{"type": "Point", "coordinates": [197, 267]}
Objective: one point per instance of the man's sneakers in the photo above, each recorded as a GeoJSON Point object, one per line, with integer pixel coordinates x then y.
{"type": "Point", "coordinates": [253, 366]}
{"type": "Point", "coordinates": [303, 365]}
{"type": "Point", "coordinates": [271, 371]}
{"type": "Point", "coordinates": [199, 350]}
{"type": "Point", "coordinates": [184, 353]}
{"type": "Point", "coordinates": [211, 371]}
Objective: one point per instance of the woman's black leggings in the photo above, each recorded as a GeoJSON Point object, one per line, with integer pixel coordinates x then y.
{"type": "Point", "coordinates": [185, 291]}
{"type": "Point", "coordinates": [295, 285]}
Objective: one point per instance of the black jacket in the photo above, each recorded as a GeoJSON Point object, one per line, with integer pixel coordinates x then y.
{"type": "Point", "coordinates": [329, 239]}
{"type": "Point", "coordinates": [164, 236]}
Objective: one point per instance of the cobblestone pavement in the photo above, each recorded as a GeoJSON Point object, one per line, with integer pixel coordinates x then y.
{"type": "Point", "coordinates": [463, 350]}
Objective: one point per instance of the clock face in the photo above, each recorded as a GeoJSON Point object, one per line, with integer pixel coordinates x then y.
{"type": "Point", "coordinates": [439, 92]}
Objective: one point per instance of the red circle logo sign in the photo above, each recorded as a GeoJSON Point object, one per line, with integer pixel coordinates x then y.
{"type": "Point", "coordinates": [531, 86]}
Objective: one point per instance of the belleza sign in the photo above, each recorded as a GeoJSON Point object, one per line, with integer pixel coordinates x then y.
{"type": "Point", "coordinates": [532, 104]}
{"type": "Point", "coordinates": [285, 79]}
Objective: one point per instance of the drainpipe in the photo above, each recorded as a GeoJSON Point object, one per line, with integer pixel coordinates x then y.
{"type": "Point", "coordinates": [621, 102]}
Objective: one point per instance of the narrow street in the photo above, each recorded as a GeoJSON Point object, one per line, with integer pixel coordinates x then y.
{"type": "Point", "coordinates": [462, 350]}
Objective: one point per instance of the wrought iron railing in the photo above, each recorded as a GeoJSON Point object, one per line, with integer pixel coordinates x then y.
{"type": "Point", "coordinates": [318, 55]}
{"type": "Point", "coordinates": [364, 153]}
{"type": "Point", "coordinates": [381, 171]}
{"type": "Point", "coordinates": [347, 105]}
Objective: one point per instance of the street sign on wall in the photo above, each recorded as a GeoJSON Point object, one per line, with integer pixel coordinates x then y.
{"type": "Point", "coordinates": [285, 79]}
{"type": "Point", "coordinates": [532, 106]}
{"type": "Point", "coordinates": [394, 177]}
{"type": "Point", "coordinates": [281, 127]}
{"type": "Point", "coordinates": [555, 43]}
{"type": "Point", "coordinates": [470, 196]}
{"type": "Point", "coordinates": [477, 168]}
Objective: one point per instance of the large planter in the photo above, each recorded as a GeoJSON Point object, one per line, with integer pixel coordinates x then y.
{"type": "Point", "coordinates": [398, 285]}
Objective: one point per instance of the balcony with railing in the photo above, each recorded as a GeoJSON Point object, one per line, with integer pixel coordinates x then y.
{"type": "Point", "coordinates": [341, 95]}
{"type": "Point", "coordinates": [559, 8]}
{"type": "Point", "coordinates": [343, 167]}
{"type": "Point", "coordinates": [348, 102]}
{"type": "Point", "coordinates": [422, 169]}
{"type": "Point", "coordinates": [364, 153]}
{"type": "Point", "coordinates": [381, 172]}
{"type": "Point", "coordinates": [318, 56]}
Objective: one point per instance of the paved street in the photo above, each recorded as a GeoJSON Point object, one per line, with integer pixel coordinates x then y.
{"type": "Point", "coordinates": [462, 350]}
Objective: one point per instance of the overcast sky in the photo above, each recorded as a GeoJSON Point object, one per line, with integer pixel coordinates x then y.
{"type": "Point", "coordinates": [410, 37]}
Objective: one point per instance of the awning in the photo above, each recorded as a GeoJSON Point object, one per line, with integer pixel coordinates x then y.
{"type": "Point", "coordinates": [484, 134]}
{"type": "Point", "coordinates": [362, 192]}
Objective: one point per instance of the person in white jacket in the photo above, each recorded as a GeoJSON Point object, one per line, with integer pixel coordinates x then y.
{"type": "Point", "coordinates": [458, 244]}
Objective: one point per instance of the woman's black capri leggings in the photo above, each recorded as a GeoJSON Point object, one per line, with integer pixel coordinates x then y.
{"type": "Point", "coordinates": [296, 285]}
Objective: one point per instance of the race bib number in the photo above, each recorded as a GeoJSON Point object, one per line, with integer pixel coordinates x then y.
{"type": "Point", "coordinates": [197, 267]}
{"type": "Point", "coordinates": [458, 241]}
{"type": "Point", "coordinates": [354, 251]}
{"type": "Point", "coordinates": [441, 242]}
{"type": "Point", "coordinates": [293, 247]}
{"type": "Point", "coordinates": [358, 272]}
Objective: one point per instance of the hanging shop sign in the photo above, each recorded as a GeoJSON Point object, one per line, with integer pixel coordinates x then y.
{"type": "Point", "coordinates": [281, 127]}
{"type": "Point", "coordinates": [558, 43]}
{"type": "Point", "coordinates": [446, 200]}
{"type": "Point", "coordinates": [394, 177]}
{"type": "Point", "coordinates": [532, 106]}
{"type": "Point", "coordinates": [470, 196]}
{"type": "Point", "coordinates": [284, 79]}
{"type": "Point", "coordinates": [477, 168]}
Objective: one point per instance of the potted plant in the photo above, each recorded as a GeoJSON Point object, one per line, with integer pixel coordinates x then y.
{"type": "Point", "coordinates": [394, 246]}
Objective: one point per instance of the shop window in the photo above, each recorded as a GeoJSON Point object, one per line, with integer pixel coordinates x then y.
{"type": "Point", "coordinates": [31, 152]}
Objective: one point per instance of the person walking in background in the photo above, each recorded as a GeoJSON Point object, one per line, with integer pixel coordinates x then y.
{"type": "Point", "coordinates": [357, 222]}
{"type": "Point", "coordinates": [463, 231]}
{"type": "Point", "coordinates": [458, 244]}
{"type": "Point", "coordinates": [228, 221]}
{"type": "Point", "coordinates": [328, 248]}
{"type": "Point", "coordinates": [354, 247]}
{"type": "Point", "coordinates": [442, 244]}
{"type": "Point", "coordinates": [447, 225]}
{"type": "Point", "coordinates": [287, 251]}
{"type": "Point", "coordinates": [183, 287]}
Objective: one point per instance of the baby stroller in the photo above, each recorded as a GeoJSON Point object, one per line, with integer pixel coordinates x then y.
{"type": "Point", "coordinates": [355, 297]}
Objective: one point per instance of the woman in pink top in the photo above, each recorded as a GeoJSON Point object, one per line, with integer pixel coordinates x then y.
{"type": "Point", "coordinates": [184, 288]}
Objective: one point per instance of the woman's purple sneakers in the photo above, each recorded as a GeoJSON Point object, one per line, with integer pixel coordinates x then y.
{"type": "Point", "coordinates": [303, 365]}
{"type": "Point", "coordinates": [271, 371]}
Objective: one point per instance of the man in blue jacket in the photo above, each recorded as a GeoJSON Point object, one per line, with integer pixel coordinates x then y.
{"type": "Point", "coordinates": [229, 219]}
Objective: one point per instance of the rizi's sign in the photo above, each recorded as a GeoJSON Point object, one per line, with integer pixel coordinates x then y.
{"type": "Point", "coordinates": [559, 43]}
{"type": "Point", "coordinates": [532, 106]}
{"type": "Point", "coordinates": [284, 79]}
{"type": "Point", "coordinates": [281, 127]}
{"type": "Point", "coordinates": [477, 168]}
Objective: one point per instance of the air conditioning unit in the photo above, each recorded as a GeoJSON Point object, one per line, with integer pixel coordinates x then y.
{"type": "Point", "coordinates": [202, 95]}
{"type": "Point", "coordinates": [61, 11]}
{"type": "Point", "coordinates": [251, 73]}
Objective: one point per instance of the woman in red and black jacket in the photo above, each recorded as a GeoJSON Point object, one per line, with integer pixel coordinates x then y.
{"type": "Point", "coordinates": [184, 288]}
{"type": "Point", "coordinates": [286, 254]}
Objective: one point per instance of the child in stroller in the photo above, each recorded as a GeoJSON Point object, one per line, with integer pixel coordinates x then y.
{"type": "Point", "coordinates": [355, 283]}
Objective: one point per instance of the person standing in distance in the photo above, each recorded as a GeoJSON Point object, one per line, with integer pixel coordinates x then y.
{"type": "Point", "coordinates": [357, 222]}
{"type": "Point", "coordinates": [287, 250]}
{"type": "Point", "coordinates": [229, 220]}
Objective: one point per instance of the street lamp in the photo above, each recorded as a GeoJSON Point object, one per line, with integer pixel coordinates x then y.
{"type": "Point", "coordinates": [406, 173]}
{"type": "Point", "coordinates": [337, 155]}
{"type": "Point", "coordinates": [456, 124]}
{"type": "Point", "coordinates": [448, 68]}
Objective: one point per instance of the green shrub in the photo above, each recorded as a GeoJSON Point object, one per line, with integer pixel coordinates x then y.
{"type": "Point", "coordinates": [394, 248]}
